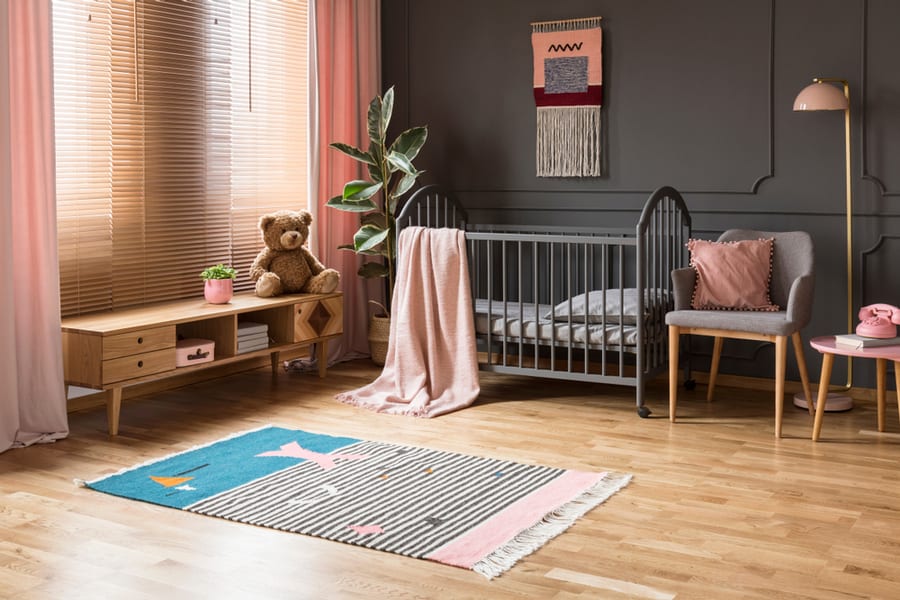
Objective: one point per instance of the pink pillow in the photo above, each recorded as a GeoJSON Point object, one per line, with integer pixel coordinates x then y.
{"type": "Point", "coordinates": [732, 275]}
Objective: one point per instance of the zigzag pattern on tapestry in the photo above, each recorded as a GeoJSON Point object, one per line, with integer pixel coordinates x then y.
{"type": "Point", "coordinates": [568, 94]}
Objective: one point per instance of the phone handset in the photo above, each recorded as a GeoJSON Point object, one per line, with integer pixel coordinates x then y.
{"type": "Point", "coordinates": [878, 321]}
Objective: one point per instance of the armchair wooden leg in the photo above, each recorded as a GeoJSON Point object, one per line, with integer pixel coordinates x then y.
{"type": "Point", "coordinates": [714, 366]}
{"type": "Point", "coordinates": [780, 364]}
{"type": "Point", "coordinates": [804, 373]}
{"type": "Point", "coordinates": [674, 340]}
{"type": "Point", "coordinates": [881, 379]}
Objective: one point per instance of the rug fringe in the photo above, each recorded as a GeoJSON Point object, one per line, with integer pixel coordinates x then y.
{"type": "Point", "coordinates": [553, 524]}
{"type": "Point", "coordinates": [83, 483]}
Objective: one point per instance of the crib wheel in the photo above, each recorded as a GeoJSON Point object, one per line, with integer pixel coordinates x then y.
{"type": "Point", "coordinates": [690, 384]}
{"type": "Point", "coordinates": [643, 412]}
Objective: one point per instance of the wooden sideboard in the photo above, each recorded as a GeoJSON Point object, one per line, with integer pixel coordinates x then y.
{"type": "Point", "coordinates": [110, 350]}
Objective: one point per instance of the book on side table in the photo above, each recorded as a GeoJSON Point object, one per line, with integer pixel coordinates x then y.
{"type": "Point", "coordinates": [852, 340]}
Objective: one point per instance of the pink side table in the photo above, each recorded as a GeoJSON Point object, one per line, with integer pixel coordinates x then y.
{"type": "Point", "coordinates": [881, 354]}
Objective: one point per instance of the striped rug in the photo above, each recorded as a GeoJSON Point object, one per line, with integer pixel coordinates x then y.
{"type": "Point", "coordinates": [478, 513]}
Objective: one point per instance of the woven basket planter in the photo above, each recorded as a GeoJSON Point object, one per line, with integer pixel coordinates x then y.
{"type": "Point", "coordinates": [379, 335]}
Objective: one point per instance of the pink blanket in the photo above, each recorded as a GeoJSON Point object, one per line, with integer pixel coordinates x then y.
{"type": "Point", "coordinates": [431, 367]}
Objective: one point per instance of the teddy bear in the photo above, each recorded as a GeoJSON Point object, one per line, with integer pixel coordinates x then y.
{"type": "Point", "coordinates": [285, 265]}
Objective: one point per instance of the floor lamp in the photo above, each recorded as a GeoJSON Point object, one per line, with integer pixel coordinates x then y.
{"type": "Point", "coordinates": [822, 95]}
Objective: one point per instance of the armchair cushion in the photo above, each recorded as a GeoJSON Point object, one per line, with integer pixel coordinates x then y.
{"type": "Point", "coordinates": [732, 275]}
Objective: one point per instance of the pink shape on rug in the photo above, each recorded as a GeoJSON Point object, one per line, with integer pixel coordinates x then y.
{"type": "Point", "coordinates": [479, 542]}
{"type": "Point", "coordinates": [326, 461]}
{"type": "Point", "coordinates": [366, 529]}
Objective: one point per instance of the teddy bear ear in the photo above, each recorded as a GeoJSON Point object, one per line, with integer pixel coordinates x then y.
{"type": "Point", "coordinates": [265, 221]}
{"type": "Point", "coordinates": [305, 217]}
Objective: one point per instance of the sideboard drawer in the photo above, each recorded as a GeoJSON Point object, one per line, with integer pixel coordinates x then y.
{"type": "Point", "coordinates": [138, 365]}
{"type": "Point", "coordinates": [138, 342]}
{"type": "Point", "coordinates": [318, 318]}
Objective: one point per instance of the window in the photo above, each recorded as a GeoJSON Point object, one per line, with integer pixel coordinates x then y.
{"type": "Point", "coordinates": [177, 125]}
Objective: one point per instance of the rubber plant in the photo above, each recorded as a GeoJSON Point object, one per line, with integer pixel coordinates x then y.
{"type": "Point", "coordinates": [391, 175]}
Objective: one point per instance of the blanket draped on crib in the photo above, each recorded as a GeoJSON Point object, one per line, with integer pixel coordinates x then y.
{"type": "Point", "coordinates": [431, 367]}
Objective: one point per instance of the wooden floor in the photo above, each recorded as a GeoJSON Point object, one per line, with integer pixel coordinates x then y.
{"type": "Point", "coordinates": [717, 508]}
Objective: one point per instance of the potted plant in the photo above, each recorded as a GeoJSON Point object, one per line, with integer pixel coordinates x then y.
{"type": "Point", "coordinates": [392, 175]}
{"type": "Point", "coordinates": [218, 285]}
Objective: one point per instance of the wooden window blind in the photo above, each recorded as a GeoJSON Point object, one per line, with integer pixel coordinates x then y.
{"type": "Point", "coordinates": [177, 125]}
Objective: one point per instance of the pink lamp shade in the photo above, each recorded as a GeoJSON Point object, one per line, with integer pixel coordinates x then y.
{"type": "Point", "coordinates": [821, 96]}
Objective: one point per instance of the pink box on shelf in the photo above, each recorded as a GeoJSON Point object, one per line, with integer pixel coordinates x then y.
{"type": "Point", "coordinates": [193, 351]}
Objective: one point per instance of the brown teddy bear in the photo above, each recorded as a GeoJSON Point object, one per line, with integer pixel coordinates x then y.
{"type": "Point", "coordinates": [285, 265]}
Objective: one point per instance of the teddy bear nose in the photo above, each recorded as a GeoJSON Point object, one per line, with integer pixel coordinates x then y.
{"type": "Point", "coordinates": [293, 235]}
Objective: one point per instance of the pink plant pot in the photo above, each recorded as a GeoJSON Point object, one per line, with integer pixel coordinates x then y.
{"type": "Point", "coordinates": [218, 291]}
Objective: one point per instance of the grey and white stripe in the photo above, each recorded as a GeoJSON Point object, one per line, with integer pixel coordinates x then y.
{"type": "Point", "coordinates": [421, 498]}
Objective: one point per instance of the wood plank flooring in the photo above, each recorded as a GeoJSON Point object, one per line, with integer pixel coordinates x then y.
{"type": "Point", "coordinates": [717, 508]}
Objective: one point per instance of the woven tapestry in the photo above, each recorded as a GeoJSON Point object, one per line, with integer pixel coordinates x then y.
{"type": "Point", "coordinates": [568, 94]}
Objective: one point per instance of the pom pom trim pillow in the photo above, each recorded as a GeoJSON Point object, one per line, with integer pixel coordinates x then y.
{"type": "Point", "coordinates": [732, 275]}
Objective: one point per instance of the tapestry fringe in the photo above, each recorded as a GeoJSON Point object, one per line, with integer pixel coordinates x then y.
{"type": "Point", "coordinates": [553, 524]}
{"type": "Point", "coordinates": [568, 141]}
{"type": "Point", "coordinates": [566, 25]}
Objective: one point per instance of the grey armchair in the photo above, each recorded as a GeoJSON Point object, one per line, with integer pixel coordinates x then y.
{"type": "Point", "coordinates": [791, 288]}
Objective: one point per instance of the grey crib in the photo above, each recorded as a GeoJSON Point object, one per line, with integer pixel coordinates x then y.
{"type": "Point", "coordinates": [585, 304]}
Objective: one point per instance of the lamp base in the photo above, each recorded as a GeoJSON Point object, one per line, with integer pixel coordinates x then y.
{"type": "Point", "coordinates": [833, 402]}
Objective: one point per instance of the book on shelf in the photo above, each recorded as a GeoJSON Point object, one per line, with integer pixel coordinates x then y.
{"type": "Point", "coordinates": [250, 347]}
{"type": "Point", "coordinates": [852, 340]}
{"type": "Point", "coordinates": [246, 328]}
{"type": "Point", "coordinates": [249, 340]}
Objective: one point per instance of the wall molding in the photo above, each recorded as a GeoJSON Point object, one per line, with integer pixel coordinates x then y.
{"type": "Point", "coordinates": [864, 82]}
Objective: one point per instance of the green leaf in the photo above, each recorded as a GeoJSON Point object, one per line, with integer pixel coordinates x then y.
{"type": "Point", "coordinates": [359, 189]}
{"type": "Point", "coordinates": [379, 116]}
{"type": "Point", "coordinates": [387, 111]}
{"type": "Point", "coordinates": [361, 206]}
{"type": "Point", "coordinates": [405, 185]}
{"type": "Point", "coordinates": [354, 152]}
{"type": "Point", "coordinates": [399, 162]}
{"type": "Point", "coordinates": [351, 248]}
{"type": "Point", "coordinates": [372, 269]}
{"type": "Point", "coordinates": [410, 142]}
{"type": "Point", "coordinates": [378, 219]}
{"type": "Point", "coordinates": [368, 237]}
{"type": "Point", "coordinates": [375, 174]}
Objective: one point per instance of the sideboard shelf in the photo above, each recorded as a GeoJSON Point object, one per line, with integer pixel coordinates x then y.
{"type": "Point", "coordinates": [113, 349]}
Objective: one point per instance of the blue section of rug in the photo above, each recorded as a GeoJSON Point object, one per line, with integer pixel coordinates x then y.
{"type": "Point", "coordinates": [209, 470]}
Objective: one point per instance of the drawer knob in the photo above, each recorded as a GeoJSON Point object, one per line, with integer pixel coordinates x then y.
{"type": "Point", "coordinates": [140, 363]}
{"type": "Point", "coordinates": [140, 340]}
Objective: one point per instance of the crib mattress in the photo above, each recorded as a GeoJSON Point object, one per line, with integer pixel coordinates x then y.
{"type": "Point", "coordinates": [530, 323]}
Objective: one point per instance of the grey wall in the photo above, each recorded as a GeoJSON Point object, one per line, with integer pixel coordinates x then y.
{"type": "Point", "coordinates": [698, 94]}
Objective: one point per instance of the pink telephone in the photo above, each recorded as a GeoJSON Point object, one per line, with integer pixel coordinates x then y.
{"type": "Point", "coordinates": [878, 321]}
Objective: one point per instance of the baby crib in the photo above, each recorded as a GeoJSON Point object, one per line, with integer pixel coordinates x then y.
{"type": "Point", "coordinates": [573, 303]}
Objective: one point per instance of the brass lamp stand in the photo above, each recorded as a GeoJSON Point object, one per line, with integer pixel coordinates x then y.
{"type": "Point", "coordinates": [822, 95]}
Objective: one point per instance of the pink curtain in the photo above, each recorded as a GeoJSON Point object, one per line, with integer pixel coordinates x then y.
{"type": "Point", "coordinates": [32, 392]}
{"type": "Point", "coordinates": [346, 75]}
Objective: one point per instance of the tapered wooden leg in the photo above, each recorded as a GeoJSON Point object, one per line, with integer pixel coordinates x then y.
{"type": "Point", "coordinates": [113, 408]}
{"type": "Point", "coordinates": [880, 377]}
{"type": "Point", "coordinates": [780, 365]}
{"type": "Point", "coordinates": [674, 339]}
{"type": "Point", "coordinates": [897, 382]}
{"type": "Point", "coordinates": [274, 358]}
{"type": "Point", "coordinates": [322, 357]}
{"type": "Point", "coordinates": [804, 373]}
{"type": "Point", "coordinates": [714, 366]}
{"type": "Point", "coordinates": [827, 363]}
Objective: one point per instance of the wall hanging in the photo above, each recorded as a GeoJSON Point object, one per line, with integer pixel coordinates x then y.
{"type": "Point", "coordinates": [568, 95]}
